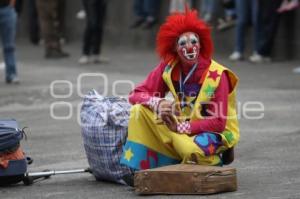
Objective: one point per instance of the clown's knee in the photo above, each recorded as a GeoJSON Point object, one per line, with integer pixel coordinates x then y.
{"type": "Point", "coordinates": [140, 111]}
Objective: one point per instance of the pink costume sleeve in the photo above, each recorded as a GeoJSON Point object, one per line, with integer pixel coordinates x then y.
{"type": "Point", "coordinates": [215, 123]}
{"type": "Point", "coordinates": [152, 86]}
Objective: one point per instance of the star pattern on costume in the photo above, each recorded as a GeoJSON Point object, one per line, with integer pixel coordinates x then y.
{"type": "Point", "coordinates": [229, 136]}
{"type": "Point", "coordinates": [209, 91]}
{"type": "Point", "coordinates": [213, 75]}
{"type": "Point", "coordinates": [128, 154]}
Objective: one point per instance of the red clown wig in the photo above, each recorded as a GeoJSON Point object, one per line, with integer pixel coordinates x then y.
{"type": "Point", "coordinates": [177, 24]}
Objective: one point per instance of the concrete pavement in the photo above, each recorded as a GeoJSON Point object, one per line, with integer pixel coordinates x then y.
{"type": "Point", "coordinates": [267, 157]}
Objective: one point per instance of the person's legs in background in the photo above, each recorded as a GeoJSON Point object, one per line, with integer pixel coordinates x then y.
{"type": "Point", "coordinates": [61, 19]}
{"type": "Point", "coordinates": [151, 8]}
{"type": "Point", "coordinates": [8, 23]}
{"type": "Point", "coordinates": [256, 19]}
{"type": "Point", "coordinates": [98, 29]}
{"type": "Point", "coordinates": [49, 23]}
{"type": "Point", "coordinates": [92, 39]}
{"type": "Point", "coordinates": [207, 9]}
{"type": "Point", "coordinates": [268, 24]}
{"type": "Point", "coordinates": [88, 6]}
{"type": "Point", "coordinates": [230, 16]}
{"type": "Point", "coordinates": [139, 12]}
{"type": "Point", "coordinates": [34, 29]}
{"type": "Point", "coordinates": [19, 7]}
{"type": "Point", "coordinates": [242, 11]}
{"type": "Point", "coordinates": [203, 8]}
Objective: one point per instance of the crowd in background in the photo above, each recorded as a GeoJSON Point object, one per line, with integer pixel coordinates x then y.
{"type": "Point", "coordinates": [47, 22]}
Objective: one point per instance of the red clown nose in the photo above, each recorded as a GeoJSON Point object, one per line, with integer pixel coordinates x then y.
{"type": "Point", "coordinates": [190, 49]}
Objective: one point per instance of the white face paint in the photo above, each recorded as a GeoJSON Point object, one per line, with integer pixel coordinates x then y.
{"type": "Point", "coordinates": [188, 47]}
{"type": "Point", "coordinates": [190, 56]}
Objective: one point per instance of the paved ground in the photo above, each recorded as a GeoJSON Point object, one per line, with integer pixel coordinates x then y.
{"type": "Point", "coordinates": [267, 157]}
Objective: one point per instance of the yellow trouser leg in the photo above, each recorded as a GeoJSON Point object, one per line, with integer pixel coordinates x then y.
{"type": "Point", "coordinates": [144, 129]}
{"type": "Point", "coordinates": [185, 147]}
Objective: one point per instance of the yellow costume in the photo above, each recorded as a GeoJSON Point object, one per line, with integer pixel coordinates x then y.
{"type": "Point", "coordinates": [151, 144]}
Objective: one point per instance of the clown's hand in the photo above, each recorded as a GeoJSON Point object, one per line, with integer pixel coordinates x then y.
{"type": "Point", "coordinates": [167, 111]}
{"type": "Point", "coordinates": [156, 104]}
{"type": "Point", "coordinates": [167, 106]}
{"type": "Point", "coordinates": [169, 120]}
{"type": "Point", "coordinates": [164, 107]}
{"type": "Point", "coordinates": [159, 105]}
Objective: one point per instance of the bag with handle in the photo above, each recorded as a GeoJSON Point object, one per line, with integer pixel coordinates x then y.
{"type": "Point", "coordinates": [104, 123]}
{"type": "Point", "coordinates": [185, 179]}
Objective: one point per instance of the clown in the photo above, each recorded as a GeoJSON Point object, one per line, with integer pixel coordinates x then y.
{"type": "Point", "coordinates": [199, 124]}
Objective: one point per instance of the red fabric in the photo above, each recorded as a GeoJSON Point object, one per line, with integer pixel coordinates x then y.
{"type": "Point", "coordinates": [200, 70]}
{"type": "Point", "coordinates": [6, 157]}
{"type": "Point", "coordinates": [215, 124]}
{"type": "Point", "coordinates": [154, 85]}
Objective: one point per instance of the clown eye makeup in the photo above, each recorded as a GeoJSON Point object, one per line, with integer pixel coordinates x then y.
{"type": "Point", "coordinates": [194, 39]}
{"type": "Point", "coordinates": [182, 41]}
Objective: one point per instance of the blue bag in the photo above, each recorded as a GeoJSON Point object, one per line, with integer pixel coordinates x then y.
{"type": "Point", "coordinates": [10, 135]}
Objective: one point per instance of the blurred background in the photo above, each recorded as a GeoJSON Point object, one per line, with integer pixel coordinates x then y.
{"type": "Point", "coordinates": [120, 15]}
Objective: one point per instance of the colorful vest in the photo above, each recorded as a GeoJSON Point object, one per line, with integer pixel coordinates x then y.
{"type": "Point", "coordinates": [230, 136]}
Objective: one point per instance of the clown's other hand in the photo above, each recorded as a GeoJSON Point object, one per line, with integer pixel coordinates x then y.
{"type": "Point", "coordinates": [167, 106]}
{"type": "Point", "coordinates": [153, 103]}
{"type": "Point", "coordinates": [164, 107]}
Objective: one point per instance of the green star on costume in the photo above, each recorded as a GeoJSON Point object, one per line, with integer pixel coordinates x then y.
{"type": "Point", "coordinates": [229, 136]}
{"type": "Point", "coordinates": [209, 91]}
